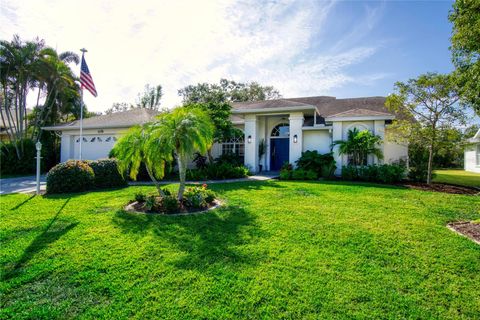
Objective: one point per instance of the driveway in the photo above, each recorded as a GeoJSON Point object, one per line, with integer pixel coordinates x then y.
{"type": "Point", "coordinates": [21, 185]}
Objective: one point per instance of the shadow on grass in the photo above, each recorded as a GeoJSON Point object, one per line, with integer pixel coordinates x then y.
{"type": "Point", "coordinates": [52, 232]}
{"type": "Point", "coordinates": [202, 241]}
{"type": "Point", "coordinates": [22, 203]}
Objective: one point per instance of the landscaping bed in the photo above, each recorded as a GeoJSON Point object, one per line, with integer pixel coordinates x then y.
{"type": "Point", "coordinates": [442, 187]}
{"type": "Point", "coordinates": [468, 229]}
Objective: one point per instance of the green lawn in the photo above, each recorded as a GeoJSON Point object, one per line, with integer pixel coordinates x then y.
{"type": "Point", "coordinates": [459, 177]}
{"type": "Point", "coordinates": [294, 250]}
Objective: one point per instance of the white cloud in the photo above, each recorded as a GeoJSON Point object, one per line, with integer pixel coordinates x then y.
{"type": "Point", "coordinates": [176, 43]}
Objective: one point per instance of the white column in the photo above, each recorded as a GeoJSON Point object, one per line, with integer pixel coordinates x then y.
{"type": "Point", "coordinates": [296, 148]}
{"type": "Point", "coordinates": [337, 135]}
{"type": "Point", "coordinates": [379, 130]}
{"type": "Point", "coordinates": [251, 147]}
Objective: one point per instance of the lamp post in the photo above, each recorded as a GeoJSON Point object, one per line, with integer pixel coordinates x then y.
{"type": "Point", "coordinates": [38, 146]}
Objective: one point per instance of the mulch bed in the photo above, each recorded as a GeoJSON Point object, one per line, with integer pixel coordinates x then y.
{"type": "Point", "coordinates": [441, 187]}
{"type": "Point", "coordinates": [139, 207]}
{"type": "Point", "coordinates": [468, 229]}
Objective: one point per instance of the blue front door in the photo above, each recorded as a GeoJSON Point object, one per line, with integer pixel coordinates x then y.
{"type": "Point", "coordinates": [279, 153]}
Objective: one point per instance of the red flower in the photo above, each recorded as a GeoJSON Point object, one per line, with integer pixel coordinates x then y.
{"type": "Point", "coordinates": [204, 186]}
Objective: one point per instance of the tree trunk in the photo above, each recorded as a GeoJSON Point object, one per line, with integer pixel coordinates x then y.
{"type": "Point", "coordinates": [209, 154]}
{"type": "Point", "coordinates": [430, 154]}
{"type": "Point", "coordinates": [182, 171]}
{"type": "Point", "coordinates": [157, 185]}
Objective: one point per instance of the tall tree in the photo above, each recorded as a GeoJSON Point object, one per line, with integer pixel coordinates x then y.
{"type": "Point", "coordinates": [465, 48]}
{"type": "Point", "coordinates": [150, 98]}
{"type": "Point", "coordinates": [427, 103]}
{"type": "Point", "coordinates": [216, 100]}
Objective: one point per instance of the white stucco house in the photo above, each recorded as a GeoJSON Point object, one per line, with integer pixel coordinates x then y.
{"type": "Point", "coordinates": [472, 154]}
{"type": "Point", "coordinates": [287, 126]}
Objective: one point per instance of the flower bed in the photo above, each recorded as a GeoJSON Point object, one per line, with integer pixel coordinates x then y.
{"type": "Point", "coordinates": [195, 199]}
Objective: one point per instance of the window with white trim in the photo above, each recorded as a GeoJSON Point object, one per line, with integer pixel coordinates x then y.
{"type": "Point", "coordinates": [236, 145]}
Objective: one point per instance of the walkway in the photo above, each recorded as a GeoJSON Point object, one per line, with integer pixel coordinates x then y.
{"type": "Point", "coordinates": [21, 184]}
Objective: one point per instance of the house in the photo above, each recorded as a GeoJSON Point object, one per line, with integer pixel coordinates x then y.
{"type": "Point", "coordinates": [472, 153]}
{"type": "Point", "coordinates": [287, 126]}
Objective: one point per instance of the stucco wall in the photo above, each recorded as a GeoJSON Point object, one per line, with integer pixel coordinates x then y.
{"type": "Point", "coordinates": [471, 159]}
{"type": "Point", "coordinates": [393, 151]}
{"type": "Point", "coordinates": [317, 140]}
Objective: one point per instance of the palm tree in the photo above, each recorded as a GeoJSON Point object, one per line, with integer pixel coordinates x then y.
{"type": "Point", "coordinates": [359, 145]}
{"type": "Point", "coordinates": [130, 150]}
{"type": "Point", "coordinates": [185, 131]}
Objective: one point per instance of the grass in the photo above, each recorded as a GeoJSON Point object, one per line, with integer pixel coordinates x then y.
{"type": "Point", "coordinates": [301, 250]}
{"type": "Point", "coordinates": [458, 177]}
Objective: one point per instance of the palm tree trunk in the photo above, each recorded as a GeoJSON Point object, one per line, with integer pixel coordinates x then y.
{"type": "Point", "coordinates": [157, 185]}
{"type": "Point", "coordinates": [209, 153]}
{"type": "Point", "coordinates": [182, 172]}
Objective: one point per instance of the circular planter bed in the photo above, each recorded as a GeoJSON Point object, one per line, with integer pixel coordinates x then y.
{"type": "Point", "coordinates": [139, 207]}
{"type": "Point", "coordinates": [467, 229]}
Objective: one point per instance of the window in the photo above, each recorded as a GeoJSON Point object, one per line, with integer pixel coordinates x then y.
{"type": "Point", "coordinates": [235, 145]}
{"type": "Point", "coordinates": [281, 131]}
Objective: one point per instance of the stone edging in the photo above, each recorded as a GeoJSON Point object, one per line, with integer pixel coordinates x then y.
{"type": "Point", "coordinates": [129, 208]}
{"type": "Point", "coordinates": [461, 234]}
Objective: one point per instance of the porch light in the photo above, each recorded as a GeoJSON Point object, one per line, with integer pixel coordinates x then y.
{"type": "Point", "coordinates": [295, 139]}
{"type": "Point", "coordinates": [249, 139]}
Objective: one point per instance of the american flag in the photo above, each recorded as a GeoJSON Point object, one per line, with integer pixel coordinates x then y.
{"type": "Point", "coordinates": [86, 79]}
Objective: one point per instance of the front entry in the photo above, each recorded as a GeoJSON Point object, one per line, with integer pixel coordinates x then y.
{"type": "Point", "coordinates": [279, 153]}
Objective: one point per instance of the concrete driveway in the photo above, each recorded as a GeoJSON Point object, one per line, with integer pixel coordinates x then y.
{"type": "Point", "coordinates": [21, 185]}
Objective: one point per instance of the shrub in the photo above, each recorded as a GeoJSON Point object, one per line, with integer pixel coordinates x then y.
{"type": "Point", "coordinates": [107, 174]}
{"type": "Point", "coordinates": [170, 204]}
{"type": "Point", "coordinates": [386, 173]}
{"type": "Point", "coordinates": [322, 164]}
{"type": "Point", "coordinates": [286, 171]}
{"type": "Point", "coordinates": [230, 158]}
{"type": "Point", "coordinates": [217, 171]}
{"type": "Point", "coordinates": [70, 176]}
{"type": "Point", "coordinates": [200, 161]}
{"type": "Point", "coordinates": [198, 197]}
{"type": "Point", "coordinates": [140, 197]}
{"type": "Point", "coordinates": [9, 162]}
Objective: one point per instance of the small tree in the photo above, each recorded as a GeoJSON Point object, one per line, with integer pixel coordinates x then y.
{"type": "Point", "coordinates": [426, 103]}
{"type": "Point", "coordinates": [184, 131]}
{"type": "Point", "coordinates": [359, 145]}
{"type": "Point", "coordinates": [131, 150]}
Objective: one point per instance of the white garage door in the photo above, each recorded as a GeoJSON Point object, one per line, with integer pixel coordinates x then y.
{"type": "Point", "coordinates": [94, 147]}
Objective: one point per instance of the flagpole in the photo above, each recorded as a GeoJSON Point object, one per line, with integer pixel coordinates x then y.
{"type": "Point", "coordinates": [83, 50]}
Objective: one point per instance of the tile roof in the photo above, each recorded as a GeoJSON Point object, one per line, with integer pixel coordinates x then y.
{"type": "Point", "coordinates": [359, 113]}
{"type": "Point", "coordinates": [325, 105]}
{"type": "Point", "coordinates": [123, 119]}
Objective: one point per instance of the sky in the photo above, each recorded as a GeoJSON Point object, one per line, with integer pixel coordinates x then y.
{"type": "Point", "coordinates": [303, 48]}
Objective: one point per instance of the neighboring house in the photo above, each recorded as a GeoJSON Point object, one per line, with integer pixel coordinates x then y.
{"type": "Point", "coordinates": [288, 127]}
{"type": "Point", "coordinates": [472, 153]}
